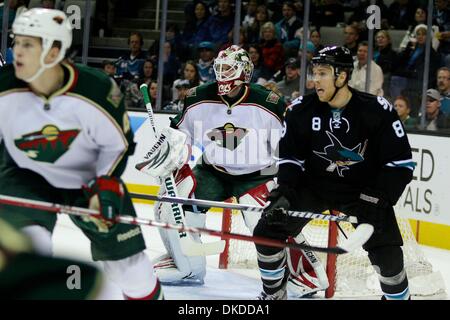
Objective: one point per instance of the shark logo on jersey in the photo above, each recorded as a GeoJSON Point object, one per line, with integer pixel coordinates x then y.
{"type": "Point", "coordinates": [48, 144]}
{"type": "Point", "coordinates": [227, 136]}
{"type": "Point", "coordinates": [341, 157]}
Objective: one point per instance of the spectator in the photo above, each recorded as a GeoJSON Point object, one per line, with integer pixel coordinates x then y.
{"type": "Point", "coordinates": [173, 36]}
{"type": "Point", "coordinates": [171, 67]}
{"type": "Point", "coordinates": [190, 72]}
{"type": "Point", "coordinates": [48, 4]}
{"type": "Point", "coordinates": [250, 15]}
{"type": "Point", "coordinates": [242, 40]}
{"type": "Point", "coordinates": [12, 10]}
{"type": "Point", "coordinates": [315, 38]}
{"type": "Point", "coordinates": [420, 17]}
{"type": "Point", "coordinates": [148, 74]}
{"type": "Point", "coordinates": [254, 30]}
{"type": "Point", "coordinates": [310, 51]}
{"type": "Point", "coordinates": [351, 37]}
{"type": "Point", "coordinates": [443, 85]}
{"type": "Point", "coordinates": [272, 50]}
{"type": "Point", "coordinates": [403, 108]}
{"type": "Point", "coordinates": [435, 119]}
{"type": "Point", "coordinates": [385, 57]}
{"type": "Point", "coordinates": [216, 28]}
{"type": "Point", "coordinates": [131, 65]}
{"type": "Point", "coordinates": [286, 28]}
{"type": "Point", "coordinates": [206, 61]}
{"type": "Point", "coordinates": [401, 14]}
{"type": "Point", "coordinates": [109, 68]}
{"type": "Point", "coordinates": [358, 77]}
{"type": "Point", "coordinates": [182, 88]}
{"type": "Point", "coordinates": [291, 79]}
{"type": "Point", "coordinates": [260, 73]}
{"type": "Point", "coordinates": [329, 13]}
{"type": "Point", "coordinates": [442, 19]}
{"type": "Point", "coordinates": [407, 75]}
{"type": "Point", "coordinates": [193, 23]}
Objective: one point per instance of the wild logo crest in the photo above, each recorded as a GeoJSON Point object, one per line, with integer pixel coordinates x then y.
{"type": "Point", "coordinates": [227, 136]}
{"type": "Point", "coordinates": [341, 157]}
{"type": "Point", "coordinates": [48, 144]}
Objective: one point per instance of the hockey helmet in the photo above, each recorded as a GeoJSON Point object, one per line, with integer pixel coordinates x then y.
{"type": "Point", "coordinates": [232, 68]}
{"type": "Point", "coordinates": [337, 57]}
{"type": "Point", "coordinates": [48, 24]}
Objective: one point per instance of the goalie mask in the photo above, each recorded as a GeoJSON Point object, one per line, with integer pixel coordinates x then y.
{"type": "Point", "coordinates": [232, 68]}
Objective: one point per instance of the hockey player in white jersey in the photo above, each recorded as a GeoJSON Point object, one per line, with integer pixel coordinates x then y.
{"type": "Point", "coordinates": [239, 125]}
{"type": "Point", "coordinates": [65, 138]}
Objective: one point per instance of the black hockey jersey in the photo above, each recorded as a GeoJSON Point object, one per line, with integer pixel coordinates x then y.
{"type": "Point", "coordinates": [338, 152]}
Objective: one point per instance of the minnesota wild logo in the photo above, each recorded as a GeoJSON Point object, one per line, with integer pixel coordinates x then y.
{"type": "Point", "coordinates": [47, 145]}
{"type": "Point", "coordinates": [227, 136]}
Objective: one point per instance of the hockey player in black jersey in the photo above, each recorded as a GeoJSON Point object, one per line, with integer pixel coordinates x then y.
{"type": "Point", "coordinates": [345, 150]}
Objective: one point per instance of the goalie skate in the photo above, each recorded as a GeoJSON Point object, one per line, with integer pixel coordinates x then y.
{"type": "Point", "coordinates": [169, 275]}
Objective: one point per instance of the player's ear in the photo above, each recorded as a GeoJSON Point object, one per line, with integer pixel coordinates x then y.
{"type": "Point", "coordinates": [343, 76]}
{"type": "Point", "coordinates": [52, 55]}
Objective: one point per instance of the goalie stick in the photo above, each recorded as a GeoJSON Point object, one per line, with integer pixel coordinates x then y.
{"type": "Point", "coordinates": [361, 234]}
{"type": "Point", "coordinates": [235, 206]}
{"type": "Point", "coordinates": [188, 246]}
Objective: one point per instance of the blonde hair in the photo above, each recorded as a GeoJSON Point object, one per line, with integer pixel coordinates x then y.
{"type": "Point", "coordinates": [268, 25]}
{"type": "Point", "coordinates": [385, 33]}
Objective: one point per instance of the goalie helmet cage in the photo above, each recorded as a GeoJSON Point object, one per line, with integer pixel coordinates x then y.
{"type": "Point", "coordinates": [350, 275]}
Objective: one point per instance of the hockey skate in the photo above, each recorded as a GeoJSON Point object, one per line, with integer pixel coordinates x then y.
{"type": "Point", "coordinates": [279, 295]}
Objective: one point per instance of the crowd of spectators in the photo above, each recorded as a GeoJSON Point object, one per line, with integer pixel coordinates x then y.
{"type": "Point", "coordinates": [272, 30]}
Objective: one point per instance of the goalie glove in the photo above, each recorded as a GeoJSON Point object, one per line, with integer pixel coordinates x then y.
{"type": "Point", "coordinates": [169, 153]}
{"type": "Point", "coordinates": [105, 194]}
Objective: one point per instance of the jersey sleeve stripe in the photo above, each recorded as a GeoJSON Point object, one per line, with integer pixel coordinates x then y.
{"type": "Point", "coordinates": [410, 164]}
{"type": "Point", "coordinates": [297, 163]}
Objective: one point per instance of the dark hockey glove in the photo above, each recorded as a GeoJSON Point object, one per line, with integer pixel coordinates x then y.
{"type": "Point", "coordinates": [372, 208]}
{"type": "Point", "coordinates": [105, 194]}
{"type": "Point", "coordinates": [276, 212]}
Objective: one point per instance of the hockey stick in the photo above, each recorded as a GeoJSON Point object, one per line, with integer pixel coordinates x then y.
{"type": "Point", "coordinates": [188, 246]}
{"type": "Point", "coordinates": [362, 233]}
{"type": "Point", "coordinates": [235, 206]}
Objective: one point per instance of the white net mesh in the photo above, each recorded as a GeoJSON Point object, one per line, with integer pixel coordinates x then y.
{"type": "Point", "coordinates": [355, 276]}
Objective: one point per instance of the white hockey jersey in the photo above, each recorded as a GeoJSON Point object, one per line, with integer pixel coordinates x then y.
{"type": "Point", "coordinates": [240, 138]}
{"type": "Point", "coordinates": [79, 132]}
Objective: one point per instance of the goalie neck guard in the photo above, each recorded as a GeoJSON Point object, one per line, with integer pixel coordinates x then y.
{"type": "Point", "coordinates": [232, 67]}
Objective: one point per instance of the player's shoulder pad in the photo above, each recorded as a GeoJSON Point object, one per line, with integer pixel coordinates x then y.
{"type": "Point", "coordinates": [375, 106]}
{"type": "Point", "coordinates": [97, 86]}
{"type": "Point", "coordinates": [8, 80]}
{"type": "Point", "coordinates": [267, 99]}
{"type": "Point", "coordinates": [301, 103]}
{"type": "Point", "coordinates": [204, 92]}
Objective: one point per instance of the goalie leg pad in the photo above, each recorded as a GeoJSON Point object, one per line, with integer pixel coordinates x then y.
{"type": "Point", "coordinates": [174, 268]}
{"type": "Point", "coordinates": [308, 275]}
{"type": "Point", "coordinates": [256, 196]}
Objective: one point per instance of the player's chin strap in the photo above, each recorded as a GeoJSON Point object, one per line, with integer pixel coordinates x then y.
{"type": "Point", "coordinates": [336, 88]}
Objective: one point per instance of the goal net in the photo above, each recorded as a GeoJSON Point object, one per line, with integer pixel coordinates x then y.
{"type": "Point", "coordinates": [351, 274]}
